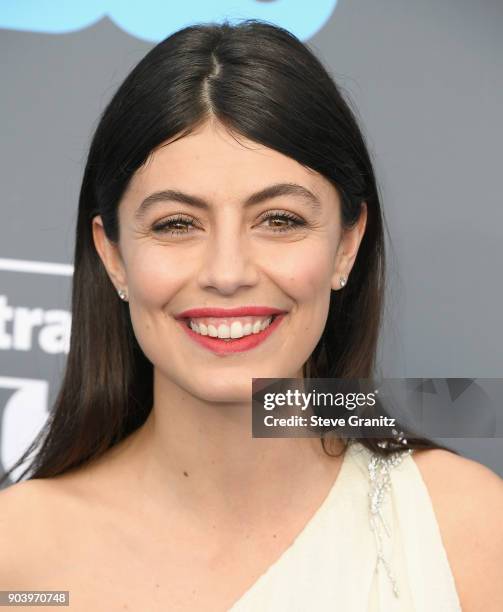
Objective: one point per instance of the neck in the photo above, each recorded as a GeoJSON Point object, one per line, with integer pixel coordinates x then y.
{"type": "Point", "coordinates": [199, 454]}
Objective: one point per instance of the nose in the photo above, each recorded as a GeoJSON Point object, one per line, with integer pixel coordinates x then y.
{"type": "Point", "coordinates": [227, 262]}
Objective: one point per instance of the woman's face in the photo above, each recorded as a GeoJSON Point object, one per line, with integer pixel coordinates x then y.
{"type": "Point", "coordinates": [211, 249]}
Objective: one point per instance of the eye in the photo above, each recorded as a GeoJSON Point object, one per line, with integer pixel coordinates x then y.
{"type": "Point", "coordinates": [181, 225]}
{"type": "Point", "coordinates": [288, 221]}
{"type": "Point", "coordinates": [174, 225]}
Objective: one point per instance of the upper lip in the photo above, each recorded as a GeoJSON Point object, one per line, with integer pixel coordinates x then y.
{"type": "Point", "coordinates": [242, 311]}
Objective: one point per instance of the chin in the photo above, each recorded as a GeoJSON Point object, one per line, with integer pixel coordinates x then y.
{"type": "Point", "coordinates": [232, 394]}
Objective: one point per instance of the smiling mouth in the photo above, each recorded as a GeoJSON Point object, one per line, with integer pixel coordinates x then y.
{"type": "Point", "coordinates": [212, 331]}
{"type": "Point", "coordinates": [217, 331]}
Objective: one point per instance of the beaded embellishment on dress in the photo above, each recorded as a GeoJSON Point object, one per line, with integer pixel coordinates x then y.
{"type": "Point", "coordinates": [379, 469]}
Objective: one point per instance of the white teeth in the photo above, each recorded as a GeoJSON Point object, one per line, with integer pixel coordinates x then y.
{"type": "Point", "coordinates": [212, 330]}
{"type": "Point", "coordinates": [235, 330]}
{"type": "Point", "coordinates": [203, 329]}
{"type": "Point", "coordinates": [224, 331]}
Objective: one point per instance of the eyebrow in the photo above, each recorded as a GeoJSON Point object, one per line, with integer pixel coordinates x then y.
{"type": "Point", "coordinates": [272, 191]}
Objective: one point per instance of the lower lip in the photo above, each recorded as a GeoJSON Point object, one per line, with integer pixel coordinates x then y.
{"type": "Point", "coordinates": [237, 345]}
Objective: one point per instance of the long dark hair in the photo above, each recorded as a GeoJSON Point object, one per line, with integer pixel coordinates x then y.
{"type": "Point", "coordinates": [261, 82]}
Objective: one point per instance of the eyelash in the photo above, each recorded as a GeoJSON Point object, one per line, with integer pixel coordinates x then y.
{"type": "Point", "coordinates": [164, 226]}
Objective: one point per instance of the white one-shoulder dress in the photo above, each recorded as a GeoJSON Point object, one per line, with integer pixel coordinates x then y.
{"type": "Point", "coordinates": [374, 545]}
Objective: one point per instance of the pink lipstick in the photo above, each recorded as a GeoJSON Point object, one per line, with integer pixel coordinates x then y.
{"type": "Point", "coordinates": [223, 346]}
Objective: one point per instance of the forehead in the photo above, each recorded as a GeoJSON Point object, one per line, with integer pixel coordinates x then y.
{"type": "Point", "coordinates": [219, 166]}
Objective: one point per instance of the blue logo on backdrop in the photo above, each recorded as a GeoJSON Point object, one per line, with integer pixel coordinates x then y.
{"type": "Point", "coordinates": [154, 20]}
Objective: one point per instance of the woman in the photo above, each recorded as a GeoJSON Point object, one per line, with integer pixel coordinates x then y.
{"type": "Point", "coordinates": [228, 188]}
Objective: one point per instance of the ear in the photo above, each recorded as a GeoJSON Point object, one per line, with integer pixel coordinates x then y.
{"type": "Point", "coordinates": [348, 248]}
{"type": "Point", "coordinates": [109, 254]}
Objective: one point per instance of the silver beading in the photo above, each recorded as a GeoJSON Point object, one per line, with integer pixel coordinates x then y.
{"type": "Point", "coordinates": [380, 482]}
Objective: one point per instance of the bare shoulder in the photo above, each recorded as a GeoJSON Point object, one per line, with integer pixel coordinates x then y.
{"type": "Point", "coordinates": [467, 498]}
{"type": "Point", "coordinates": [26, 499]}
{"type": "Point", "coordinates": [32, 520]}
{"type": "Point", "coordinates": [18, 503]}
{"type": "Point", "coordinates": [39, 503]}
{"type": "Point", "coordinates": [17, 522]}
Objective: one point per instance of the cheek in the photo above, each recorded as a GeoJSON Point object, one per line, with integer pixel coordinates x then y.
{"type": "Point", "coordinates": [154, 276]}
{"type": "Point", "coordinates": [305, 274]}
{"type": "Point", "coordinates": [306, 271]}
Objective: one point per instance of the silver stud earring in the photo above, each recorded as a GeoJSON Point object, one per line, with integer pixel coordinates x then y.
{"type": "Point", "coordinates": [343, 281]}
{"type": "Point", "coordinates": [122, 294]}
